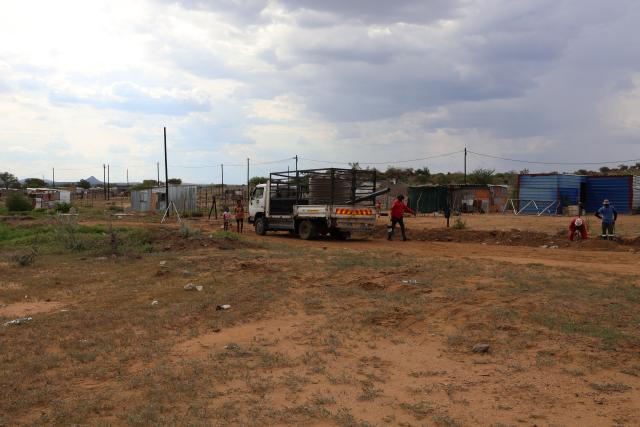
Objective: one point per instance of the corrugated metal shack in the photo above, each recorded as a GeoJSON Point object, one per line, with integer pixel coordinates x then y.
{"type": "Point", "coordinates": [478, 198]}
{"type": "Point", "coordinates": [618, 189]}
{"type": "Point", "coordinates": [556, 191]}
{"type": "Point", "coordinates": [427, 198]}
{"type": "Point", "coordinates": [154, 200]}
{"type": "Point", "coordinates": [562, 192]}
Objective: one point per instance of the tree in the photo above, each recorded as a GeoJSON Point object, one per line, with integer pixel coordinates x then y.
{"type": "Point", "coordinates": [623, 167]}
{"type": "Point", "coordinates": [83, 183]}
{"type": "Point", "coordinates": [257, 180]}
{"type": "Point", "coordinates": [146, 184]}
{"type": "Point", "coordinates": [174, 181]}
{"type": "Point", "coordinates": [7, 179]}
{"type": "Point", "coordinates": [34, 183]}
{"type": "Point", "coordinates": [355, 165]}
{"type": "Point", "coordinates": [423, 175]}
{"type": "Point", "coordinates": [604, 170]}
{"type": "Point", "coordinates": [482, 176]}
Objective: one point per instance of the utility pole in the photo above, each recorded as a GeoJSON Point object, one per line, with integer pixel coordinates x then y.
{"type": "Point", "coordinates": [104, 180]}
{"type": "Point", "coordinates": [248, 179]}
{"type": "Point", "coordinates": [127, 178]}
{"type": "Point", "coordinates": [166, 174]}
{"type": "Point", "coordinates": [224, 198]}
{"type": "Point", "coordinates": [53, 170]}
{"type": "Point", "coordinates": [108, 183]}
{"type": "Point", "coordinates": [158, 168]}
{"type": "Point", "coordinates": [296, 157]}
{"type": "Point", "coordinates": [465, 165]}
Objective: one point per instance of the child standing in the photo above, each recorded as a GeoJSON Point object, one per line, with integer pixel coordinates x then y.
{"type": "Point", "coordinates": [226, 218]}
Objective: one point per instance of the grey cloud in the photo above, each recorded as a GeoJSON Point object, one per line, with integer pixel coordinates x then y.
{"type": "Point", "coordinates": [380, 11]}
{"type": "Point", "coordinates": [238, 11]}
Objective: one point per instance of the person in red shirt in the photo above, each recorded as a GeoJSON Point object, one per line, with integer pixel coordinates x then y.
{"type": "Point", "coordinates": [577, 224]}
{"type": "Point", "coordinates": [397, 213]}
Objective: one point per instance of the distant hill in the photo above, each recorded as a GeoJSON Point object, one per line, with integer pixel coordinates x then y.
{"type": "Point", "coordinates": [94, 181]}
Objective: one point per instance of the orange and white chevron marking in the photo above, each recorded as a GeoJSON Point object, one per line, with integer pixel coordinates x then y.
{"type": "Point", "coordinates": [353, 212]}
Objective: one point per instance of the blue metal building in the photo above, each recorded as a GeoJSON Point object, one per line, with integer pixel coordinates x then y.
{"type": "Point", "coordinates": [559, 191]}
{"type": "Point", "coordinates": [537, 191]}
{"type": "Point", "coordinates": [618, 189]}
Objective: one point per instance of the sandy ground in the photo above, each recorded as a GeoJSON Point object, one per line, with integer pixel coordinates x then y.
{"type": "Point", "coordinates": [358, 332]}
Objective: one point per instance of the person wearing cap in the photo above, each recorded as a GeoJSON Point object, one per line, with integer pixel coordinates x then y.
{"type": "Point", "coordinates": [397, 213]}
{"type": "Point", "coordinates": [578, 225]}
{"type": "Point", "coordinates": [608, 215]}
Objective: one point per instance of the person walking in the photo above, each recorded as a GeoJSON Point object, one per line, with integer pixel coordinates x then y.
{"type": "Point", "coordinates": [397, 213]}
{"type": "Point", "coordinates": [239, 212]}
{"type": "Point", "coordinates": [609, 216]}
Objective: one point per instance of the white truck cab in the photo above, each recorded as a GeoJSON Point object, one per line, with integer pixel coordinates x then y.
{"type": "Point", "coordinates": [256, 202]}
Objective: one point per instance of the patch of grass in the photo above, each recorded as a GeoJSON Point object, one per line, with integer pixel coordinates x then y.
{"type": "Point", "coordinates": [186, 231]}
{"type": "Point", "coordinates": [322, 399]}
{"type": "Point", "coordinates": [574, 372]}
{"type": "Point", "coordinates": [419, 410]}
{"type": "Point", "coordinates": [25, 257]}
{"type": "Point", "coordinates": [445, 420]}
{"type": "Point", "coordinates": [632, 370]}
{"type": "Point", "coordinates": [583, 326]}
{"type": "Point", "coordinates": [274, 360]}
{"type": "Point", "coordinates": [314, 362]}
{"type": "Point", "coordinates": [426, 374]}
{"type": "Point", "coordinates": [369, 392]}
{"type": "Point", "coordinates": [349, 260]}
{"type": "Point", "coordinates": [610, 387]}
{"type": "Point", "coordinates": [545, 358]}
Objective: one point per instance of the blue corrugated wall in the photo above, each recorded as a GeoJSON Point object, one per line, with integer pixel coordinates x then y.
{"type": "Point", "coordinates": [618, 189]}
{"type": "Point", "coordinates": [569, 189]}
{"type": "Point", "coordinates": [538, 188]}
{"type": "Point", "coordinates": [563, 189]}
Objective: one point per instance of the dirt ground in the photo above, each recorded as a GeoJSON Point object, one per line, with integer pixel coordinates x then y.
{"type": "Point", "coordinates": [490, 325]}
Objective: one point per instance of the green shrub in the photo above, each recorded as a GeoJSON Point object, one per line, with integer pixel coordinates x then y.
{"type": "Point", "coordinates": [459, 224]}
{"type": "Point", "coordinates": [116, 208]}
{"type": "Point", "coordinates": [25, 258]}
{"type": "Point", "coordinates": [18, 202]}
{"type": "Point", "coordinates": [186, 231]}
{"type": "Point", "coordinates": [63, 207]}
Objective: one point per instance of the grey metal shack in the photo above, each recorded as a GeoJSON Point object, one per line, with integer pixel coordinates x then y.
{"type": "Point", "coordinates": [154, 199]}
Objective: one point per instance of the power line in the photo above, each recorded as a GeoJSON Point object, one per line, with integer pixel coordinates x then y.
{"type": "Point", "coordinates": [385, 163]}
{"type": "Point", "coordinates": [230, 164]}
{"type": "Point", "coordinates": [553, 163]}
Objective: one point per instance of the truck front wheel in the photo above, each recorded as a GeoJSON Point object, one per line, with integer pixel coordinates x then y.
{"type": "Point", "coordinates": [307, 230]}
{"type": "Point", "coordinates": [261, 226]}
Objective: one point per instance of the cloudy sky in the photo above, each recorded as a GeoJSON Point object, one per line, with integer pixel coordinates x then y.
{"type": "Point", "coordinates": [84, 83]}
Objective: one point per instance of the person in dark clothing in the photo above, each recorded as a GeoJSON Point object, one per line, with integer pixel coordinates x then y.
{"type": "Point", "coordinates": [609, 216]}
{"type": "Point", "coordinates": [447, 213]}
{"type": "Point", "coordinates": [397, 213]}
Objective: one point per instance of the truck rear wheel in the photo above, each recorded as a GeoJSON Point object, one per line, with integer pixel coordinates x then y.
{"type": "Point", "coordinates": [307, 230]}
{"type": "Point", "coordinates": [261, 226]}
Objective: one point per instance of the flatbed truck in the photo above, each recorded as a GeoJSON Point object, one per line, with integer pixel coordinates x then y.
{"type": "Point", "coordinates": [315, 202]}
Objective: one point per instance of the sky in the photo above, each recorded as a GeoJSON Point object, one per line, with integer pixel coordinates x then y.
{"type": "Point", "coordinates": [87, 83]}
